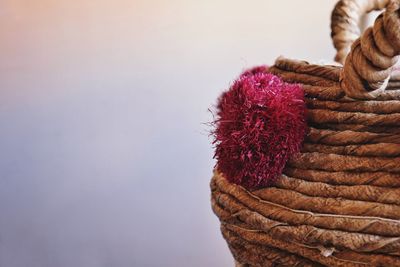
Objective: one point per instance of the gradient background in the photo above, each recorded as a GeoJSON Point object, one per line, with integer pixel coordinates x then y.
{"type": "Point", "coordinates": [105, 159]}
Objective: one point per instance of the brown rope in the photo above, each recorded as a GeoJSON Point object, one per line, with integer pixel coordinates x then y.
{"type": "Point", "coordinates": [369, 64]}
{"type": "Point", "coordinates": [363, 150]}
{"type": "Point", "coordinates": [337, 202]}
{"type": "Point", "coordinates": [344, 23]}
{"type": "Point", "coordinates": [335, 163]}
{"type": "Point", "coordinates": [379, 179]}
{"type": "Point", "coordinates": [267, 229]}
{"type": "Point", "coordinates": [283, 213]}
{"type": "Point", "coordinates": [322, 82]}
{"type": "Point", "coordinates": [307, 234]}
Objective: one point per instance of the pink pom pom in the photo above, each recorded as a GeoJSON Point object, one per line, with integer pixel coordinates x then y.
{"type": "Point", "coordinates": [260, 124]}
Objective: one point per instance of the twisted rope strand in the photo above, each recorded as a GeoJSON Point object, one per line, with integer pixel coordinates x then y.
{"type": "Point", "coordinates": [369, 64]}
{"type": "Point", "coordinates": [344, 23]}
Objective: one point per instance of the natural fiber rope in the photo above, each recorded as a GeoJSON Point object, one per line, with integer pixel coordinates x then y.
{"type": "Point", "coordinates": [337, 202]}
{"type": "Point", "coordinates": [345, 23]}
{"type": "Point", "coordinates": [283, 213]}
{"type": "Point", "coordinates": [253, 217]}
{"type": "Point", "coordinates": [316, 83]}
{"type": "Point", "coordinates": [369, 64]}
{"type": "Point", "coordinates": [307, 234]}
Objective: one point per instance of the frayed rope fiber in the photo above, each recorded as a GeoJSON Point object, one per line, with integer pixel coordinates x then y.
{"type": "Point", "coordinates": [260, 125]}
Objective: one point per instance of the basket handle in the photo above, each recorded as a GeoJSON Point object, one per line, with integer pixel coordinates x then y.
{"type": "Point", "coordinates": [345, 20]}
{"type": "Point", "coordinates": [368, 66]}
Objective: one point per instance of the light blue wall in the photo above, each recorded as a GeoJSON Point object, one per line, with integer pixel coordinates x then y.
{"type": "Point", "coordinates": [105, 159]}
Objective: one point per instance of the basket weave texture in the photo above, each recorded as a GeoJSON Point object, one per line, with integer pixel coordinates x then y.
{"type": "Point", "coordinates": [338, 202]}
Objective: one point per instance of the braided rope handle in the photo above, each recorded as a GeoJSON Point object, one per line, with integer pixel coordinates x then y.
{"type": "Point", "coordinates": [372, 56]}
{"type": "Point", "coordinates": [345, 21]}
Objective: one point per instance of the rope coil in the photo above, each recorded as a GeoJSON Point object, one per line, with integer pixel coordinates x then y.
{"type": "Point", "coordinates": [345, 23]}
{"type": "Point", "coordinates": [369, 64]}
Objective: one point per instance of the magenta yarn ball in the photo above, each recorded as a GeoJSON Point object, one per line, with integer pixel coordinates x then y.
{"type": "Point", "coordinates": [260, 125]}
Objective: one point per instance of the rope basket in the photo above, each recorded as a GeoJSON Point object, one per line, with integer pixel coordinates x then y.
{"type": "Point", "coordinates": [338, 202]}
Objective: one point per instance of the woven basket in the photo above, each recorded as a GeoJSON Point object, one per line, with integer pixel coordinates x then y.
{"type": "Point", "coordinates": [338, 202]}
